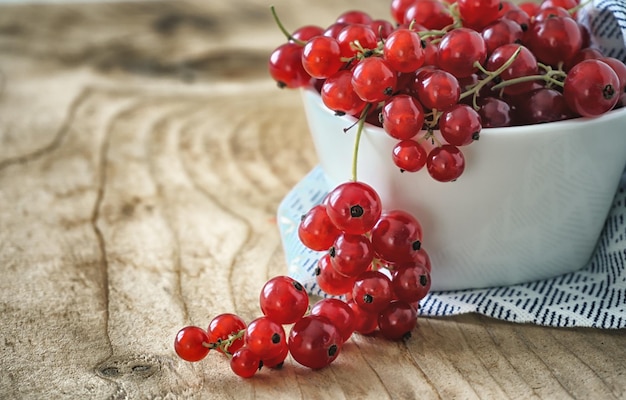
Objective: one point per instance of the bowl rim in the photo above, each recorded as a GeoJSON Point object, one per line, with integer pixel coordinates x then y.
{"type": "Point", "coordinates": [536, 129]}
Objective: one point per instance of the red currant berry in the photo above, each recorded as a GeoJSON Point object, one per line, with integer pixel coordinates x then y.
{"type": "Point", "coordinates": [356, 33]}
{"type": "Point", "coordinates": [351, 254]}
{"type": "Point", "coordinates": [354, 207]}
{"type": "Point", "coordinates": [397, 321]}
{"type": "Point", "coordinates": [402, 116]}
{"type": "Point", "coordinates": [355, 17]}
{"type": "Point", "coordinates": [445, 163]}
{"type": "Point", "coordinates": [374, 80]}
{"type": "Point", "coordinates": [477, 14]}
{"type": "Point", "coordinates": [314, 342]}
{"type": "Point", "coordinates": [265, 337]}
{"type": "Point", "coordinates": [338, 94]}
{"type": "Point", "coordinates": [431, 14]}
{"type": "Point", "coordinates": [524, 64]}
{"type": "Point", "coordinates": [409, 155]}
{"type": "Point", "coordinates": [372, 291]}
{"type": "Point", "coordinates": [365, 322]}
{"type": "Point", "coordinates": [285, 66]}
{"type": "Point", "coordinates": [404, 50]}
{"type": "Point", "coordinates": [316, 231]}
{"type": "Point", "coordinates": [460, 125]}
{"type": "Point", "coordinates": [338, 313]}
{"type": "Point", "coordinates": [438, 89]}
{"type": "Point", "coordinates": [190, 343]}
{"type": "Point", "coordinates": [307, 32]}
{"type": "Point", "coordinates": [554, 40]}
{"type": "Point", "coordinates": [411, 283]}
{"type": "Point", "coordinates": [591, 88]}
{"type": "Point", "coordinates": [223, 326]}
{"type": "Point", "coordinates": [321, 57]}
{"type": "Point", "coordinates": [277, 361]}
{"type": "Point", "coordinates": [245, 363]}
{"type": "Point", "coordinates": [283, 300]}
{"type": "Point", "coordinates": [460, 50]}
{"type": "Point", "coordinates": [494, 112]}
{"type": "Point", "coordinates": [331, 281]}
{"type": "Point", "coordinates": [396, 236]}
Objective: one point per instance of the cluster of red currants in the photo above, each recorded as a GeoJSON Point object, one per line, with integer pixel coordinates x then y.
{"type": "Point", "coordinates": [446, 69]}
{"type": "Point", "coordinates": [432, 80]}
{"type": "Point", "coordinates": [314, 340]}
{"type": "Point", "coordinates": [360, 242]}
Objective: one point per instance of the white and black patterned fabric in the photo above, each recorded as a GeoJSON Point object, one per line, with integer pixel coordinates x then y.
{"type": "Point", "coordinates": [594, 296]}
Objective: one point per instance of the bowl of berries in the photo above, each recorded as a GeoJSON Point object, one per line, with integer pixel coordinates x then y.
{"type": "Point", "coordinates": [496, 134]}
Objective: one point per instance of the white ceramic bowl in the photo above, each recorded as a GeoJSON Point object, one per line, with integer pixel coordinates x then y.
{"type": "Point", "coordinates": [530, 204]}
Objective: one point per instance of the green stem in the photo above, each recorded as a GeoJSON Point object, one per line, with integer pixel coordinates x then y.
{"type": "Point", "coordinates": [357, 141]}
{"type": "Point", "coordinates": [223, 345]}
{"type": "Point", "coordinates": [283, 29]}
{"type": "Point", "coordinates": [548, 77]}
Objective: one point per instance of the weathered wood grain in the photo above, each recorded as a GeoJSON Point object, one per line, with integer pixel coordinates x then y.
{"type": "Point", "coordinates": [143, 153]}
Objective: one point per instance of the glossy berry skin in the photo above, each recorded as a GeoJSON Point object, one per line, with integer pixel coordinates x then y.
{"type": "Point", "coordinates": [188, 343]}
{"type": "Point", "coordinates": [374, 80]}
{"type": "Point", "coordinates": [338, 313]}
{"type": "Point", "coordinates": [411, 283]}
{"type": "Point", "coordinates": [338, 94]}
{"type": "Point", "coordinates": [445, 163]}
{"type": "Point", "coordinates": [372, 291]}
{"type": "Point", "coordinates": [403, 116]}
{"type": "Point", "coordinates": [285, 66]}
{"type": "Point", "coordinates": [307, 32]}
{"type": "Point", "coordinates": [409, 155]}
{"type": "Point", "coordinates": [460, 125]}
{"type": "Point", "coordinates": [314, 342]}
{"type": "Point", "coordinates": [554, 40]}
{"type": "Point", "coordinates": [541, 105]}
{"type": "Point", "coordinates": [321, 57]}
{"type": "Point", "coordinates": [476, 14]}
{"type": "Point", "coordinates": [245, 363]}
{"type": "Point", "coordinates": [500, 32]}
{"type": "Point", "coordinates": [283, 300]}
{"type": "Point", "coordinates": [354, 207]}
{"type": "Point", "coordinates": [591, 88]}
{"type": "Point", "coordinates": [431, 14]}
{"type": "Point", "coordinates": [316, 231]}
{"type": "Point", "coordinates": [397, 320]}
{"type": "Point", "coordinates": [224, 325]}
{"type": "Point", "coordinates": [356, 32]}
{"type": "Point", "coordinates": [351, 254]}
{"type": "Point", "coordinates": [524, 64]}
{"type": "Point", "coordinates": [396, 236]}
{"type": "Point", "coordinates": [278, 360]}
{"type": "Point", "coordinates": [438, 90]}
{"type": "Point", "coordinates": [331, 281]}
{"type": "Point", "coordinates": [459, 50]}
{"type": "Point", "coordinates": [494, 112]}
{"type": "Point", "coordinates": [366, 323]}
{"type": "Point", "coordinates": [265, 337]}
{"type": "Point", "coordinates": [403, 50]}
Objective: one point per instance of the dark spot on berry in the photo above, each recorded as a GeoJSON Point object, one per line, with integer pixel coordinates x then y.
{"type": "Point", "coordinates": [500, 6]}
{"type": "Point", "coordinates": [281, 85]}
{"type": "Point", "coordinates": [497, 79]}
{"type": "Point", "coordinates": [279, 365]}
{"type": "Point", "coordinates": [423, 43]}
{"type": "Point", "coordinates": [402, 171]}
{"type": "Point", "coordinates": [302, 217]}
{"type": "Point", "coordinates": [388, 91]}
{"type": "Point", "coordinates": [297, 285]}
{"type": "Point", "coordinates": [524, 27]}
{"type": "Point", "coordinates": [423, 280]}
{"type": "Point", "coordinates": [608, 92]}
{"type": "Point", "coordinates": [276, 338]}
{"type": "Point", "coordinates": [368, 53]}
{"type": "Point", "coordinates": [340, 113]}
{"type": "Point", "coordinates": [332, 350]}
{"type": "Point", "coordinates": [406, 336]}
{"type": "Point", "coordinates": [318, 271]}
{"type": "Point", "coordinates": [260, 365]}
{"type": "Point", "coordinates": [381, 118]}
{"type": "Point", "coordinates": [332, 251]}
{"type": "Point", "coordinates": [476, 136]}
{"type": "Point", "coordinates": [416, 245]}
{"type": "Point", "coordinates": [367, 298]}
{"type": "Point", "coordinates": [517, 41]}
{"type": "Point", "coordinates": [356, 211]}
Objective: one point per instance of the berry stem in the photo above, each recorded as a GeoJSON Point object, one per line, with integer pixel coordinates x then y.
{"type": "Point", "coordinates": [223, 345]}
{"type": "Point", "coordinates": [491, 75]}
{"type": "Point", "coordinates": [548, 77]}
{"type": "Point", "coordinates": [283, 29]}
{"type": "Point", "coordinates": [357, 140]}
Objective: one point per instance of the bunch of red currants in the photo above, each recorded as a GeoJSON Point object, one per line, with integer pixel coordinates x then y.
{"type": "Point", "coordinates": [445, 69]}
{"type": "Point", "coordinates": [432, 79]}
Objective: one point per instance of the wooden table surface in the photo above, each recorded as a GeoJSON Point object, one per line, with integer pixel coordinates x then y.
{"type": "Point", "coordinates": [143, 153]}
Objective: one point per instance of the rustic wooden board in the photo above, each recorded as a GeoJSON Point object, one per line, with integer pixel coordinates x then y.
{"type": "Point", "coordinates": [143, 153]}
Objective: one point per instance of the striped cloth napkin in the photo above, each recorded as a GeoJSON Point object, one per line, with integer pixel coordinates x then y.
{"type": "Point", "coordinates": [594, 296]}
